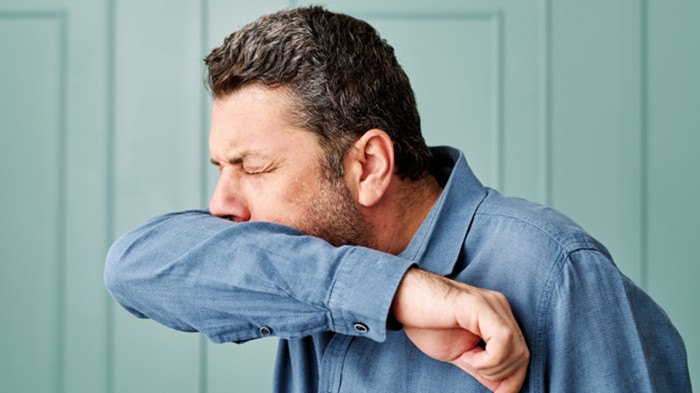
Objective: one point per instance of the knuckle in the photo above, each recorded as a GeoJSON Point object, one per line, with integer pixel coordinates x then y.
{"type": "Point", "coordinates": [507, 334]}
{"type": "Point", "coordinates": [499, 296]}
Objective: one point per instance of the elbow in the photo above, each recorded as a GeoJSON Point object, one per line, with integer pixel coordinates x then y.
{"type": "Point", "coordinates": [114, 269]}
{"type": "Point", "coordinates": [119, 278]}
{"type": "Point", "coordinates": [119, 268]}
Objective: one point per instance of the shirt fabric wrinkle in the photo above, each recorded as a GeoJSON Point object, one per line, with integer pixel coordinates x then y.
{"type": "Point", "coordinates": [472, 234]}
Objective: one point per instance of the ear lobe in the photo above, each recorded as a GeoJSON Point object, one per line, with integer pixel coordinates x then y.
{"type": "Point", "coordinates": [370, 166]}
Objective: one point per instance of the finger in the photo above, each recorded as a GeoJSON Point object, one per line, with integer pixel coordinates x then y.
{"type": "Point", "coordinates": [483, 363]}
{"type": "Point", "coordinates": [496, 373]}
{"type": "Point", "coordinates": [505, 348]}
{"type": "Point", "coordinates": [499, 352]}
{"type": "Point", "coordinates": [512, 383]}
{"type": "Point", "coordinates": [491, 385]}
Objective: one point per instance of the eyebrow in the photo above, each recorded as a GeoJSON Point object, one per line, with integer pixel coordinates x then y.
{"type": "Point", "coordinates": [235, 160]}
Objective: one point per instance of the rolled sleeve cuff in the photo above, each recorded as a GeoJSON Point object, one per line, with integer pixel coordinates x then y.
{"type": "Point", "coordinates": [364, 288]}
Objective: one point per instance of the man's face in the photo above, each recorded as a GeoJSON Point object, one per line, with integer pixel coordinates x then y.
{"type": "Point", "coordinates": [272, 171]}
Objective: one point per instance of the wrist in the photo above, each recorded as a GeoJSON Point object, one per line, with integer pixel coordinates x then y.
{"type": "Point", "coordinates": [421, 300]}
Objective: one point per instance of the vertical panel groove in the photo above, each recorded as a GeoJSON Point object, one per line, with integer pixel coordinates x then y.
{"type": "Point", "coordinates": [498, 59]}
{"type": "Point", "coordinates": [110, 185]}
{"type": "Point", "coordinates": [62, 206]}
{"type": "Point", "coordinates": [496, 18]}
{"type": "Point", "coordinates": [545, 103]}
{"type": "Point", "coordinates": [644, 145]}
{"type": "Point", "coordinates": [204, 152]}
{"type": "Point", "coordinates": [204, 106]}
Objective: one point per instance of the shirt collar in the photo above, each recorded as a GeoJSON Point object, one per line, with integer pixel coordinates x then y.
{"type": "Point", "coordinates": [438, 241]}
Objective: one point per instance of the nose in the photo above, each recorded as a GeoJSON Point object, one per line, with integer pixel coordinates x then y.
{"type": "Point", "coordinates": [227, 201]}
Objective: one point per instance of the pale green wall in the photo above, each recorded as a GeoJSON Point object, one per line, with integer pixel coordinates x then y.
{"type": "Point", "coordinates": [591, 107]}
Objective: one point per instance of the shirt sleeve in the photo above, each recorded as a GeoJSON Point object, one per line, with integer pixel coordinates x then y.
{"type": "Point", "coordinates": [605, 334]}
{"type": "Point", "coordinates": [235, 282]}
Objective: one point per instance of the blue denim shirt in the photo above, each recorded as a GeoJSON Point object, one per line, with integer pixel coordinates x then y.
{"type": "Point", "coordinates": [588, 327]}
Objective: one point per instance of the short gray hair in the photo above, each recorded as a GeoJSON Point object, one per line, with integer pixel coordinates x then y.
{"type": "Point", "coordinates": [344, 80]}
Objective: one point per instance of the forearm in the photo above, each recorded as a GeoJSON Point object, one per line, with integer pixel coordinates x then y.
{"type": "Point", "coordinates": [194, 272]}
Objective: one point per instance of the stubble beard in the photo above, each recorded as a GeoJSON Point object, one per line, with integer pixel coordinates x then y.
{"type": "Point", "coordinates": [335, 216]}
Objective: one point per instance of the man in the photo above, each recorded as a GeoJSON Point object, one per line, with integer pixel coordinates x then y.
{"type": "Point", "coordinates": [315, 127]}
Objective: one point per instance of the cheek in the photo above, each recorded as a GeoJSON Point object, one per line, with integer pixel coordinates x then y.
{"type": "Point", "coordinates": [296, 194]}
{"type": "Point", "coordinates": [272, 200]}
{"type": "Point", "coordinates": [259, 197]}
{"type": "Point", "coordinates": [298, 197]}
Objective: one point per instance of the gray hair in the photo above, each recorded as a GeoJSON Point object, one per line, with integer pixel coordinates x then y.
{"type": "Point", "coordinates": [343, 78]}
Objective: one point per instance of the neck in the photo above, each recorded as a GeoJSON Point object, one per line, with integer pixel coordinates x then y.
{"type": "Point", "coordinates": [403, 209]}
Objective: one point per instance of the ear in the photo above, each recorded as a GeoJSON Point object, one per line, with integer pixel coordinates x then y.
{"type": "Point", "coordinates": [369, 167]}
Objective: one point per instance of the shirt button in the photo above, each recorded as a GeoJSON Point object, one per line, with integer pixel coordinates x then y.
{"type": "Point", "coordinates": [265, 330]}
{"type": "Point", "coordinates": [361, 327]}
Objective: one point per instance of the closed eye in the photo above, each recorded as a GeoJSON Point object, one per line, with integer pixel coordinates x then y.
{"type": "Point", "coordinates": [256, 170]}
{"type": "Point", "coordinates": [245, 166]}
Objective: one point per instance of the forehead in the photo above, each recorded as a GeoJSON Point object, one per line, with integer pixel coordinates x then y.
{"type": "Point", "coordinates": [256, 120]}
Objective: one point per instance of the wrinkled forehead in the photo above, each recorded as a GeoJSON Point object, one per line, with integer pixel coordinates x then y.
{"type": "Point", "coordinates": [256, 119]}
